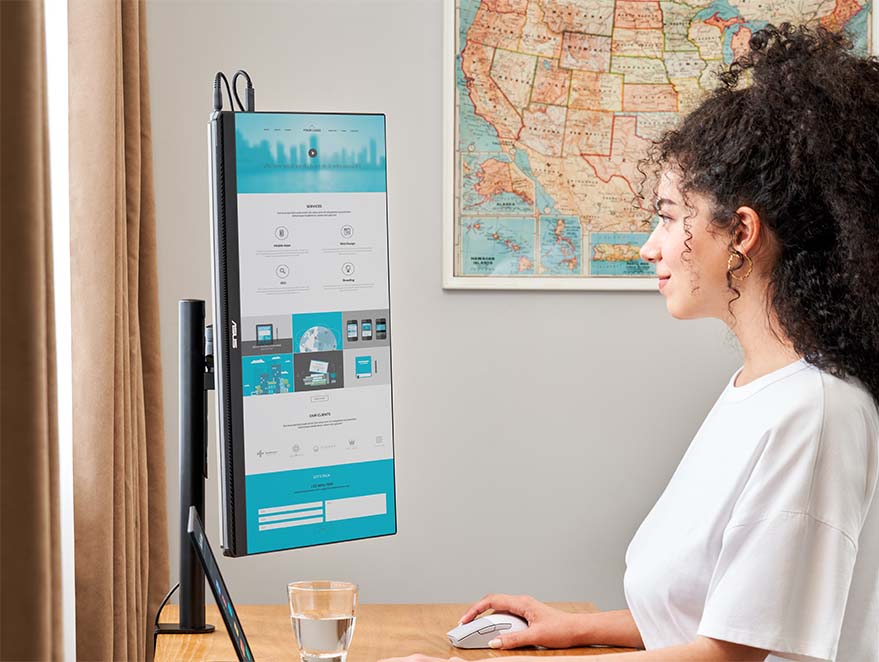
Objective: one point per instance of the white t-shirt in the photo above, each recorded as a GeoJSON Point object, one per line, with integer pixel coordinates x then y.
{"type": "Point", "coordinates": [767, 534]}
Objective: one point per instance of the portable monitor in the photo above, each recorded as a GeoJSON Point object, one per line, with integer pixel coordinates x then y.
{"type": "Point", "coordinates": [300, 254]}
{"type": "Point", "coordinates": [218, 586]}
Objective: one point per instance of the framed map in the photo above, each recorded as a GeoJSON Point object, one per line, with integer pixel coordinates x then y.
{"type": "Point", "coordinates": [548, 107]}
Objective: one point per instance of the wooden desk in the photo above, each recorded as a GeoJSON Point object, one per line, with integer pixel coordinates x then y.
{"type": "Point", "coordinates": [381, 631]}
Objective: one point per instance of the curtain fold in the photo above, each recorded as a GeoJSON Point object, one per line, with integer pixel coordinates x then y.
{"type": "Point", "coordinates": [30, 562]}
{"type": "Point", "coordinates": [119, 456]}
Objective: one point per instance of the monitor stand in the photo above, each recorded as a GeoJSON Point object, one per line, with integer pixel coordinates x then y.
{"type": "Point", "coordinates": [196, 378]}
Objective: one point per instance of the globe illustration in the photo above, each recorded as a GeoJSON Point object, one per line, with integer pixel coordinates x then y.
{"type": "Point", "coordinates": [317, 339]}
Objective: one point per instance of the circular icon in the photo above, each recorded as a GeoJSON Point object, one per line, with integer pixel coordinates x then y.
{"type": "Point", "coordinates": [317, 339]}
{"type": "Point", "coordinates": [347, 268]}
{"type": "Point", "coordinates": [347, 231]}
{"type": "Point", "coordinates": [315, 449]}
{"type": "Point", "coordinates": [295, 448]}
{"type": "Point", "coordinates": [282, 271]}
{"type": "Point", "coordinates": [282, 233]}
{"type": "Point", "coordinates": [312, 152]}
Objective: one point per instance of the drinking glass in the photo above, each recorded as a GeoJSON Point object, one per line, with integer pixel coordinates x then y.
{"type": "Point", "coordinates": [322, 615]}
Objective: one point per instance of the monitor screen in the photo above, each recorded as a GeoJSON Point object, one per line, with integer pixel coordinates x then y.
{"type": "Point", "coordinates": [301, 255]}
{"type": "Point", "coordinates": [218, 586]}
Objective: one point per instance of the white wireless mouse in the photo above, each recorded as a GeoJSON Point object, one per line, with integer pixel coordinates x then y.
{"type": "Point", "coordinates": [478, 632]}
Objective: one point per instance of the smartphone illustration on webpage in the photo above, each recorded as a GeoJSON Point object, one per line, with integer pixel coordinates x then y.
{"type": "Point", "coordinates": [352, 330]}
{"type": "Point", "coordinates": [366, 329]}
{"type": "Point", "coordinates": [381, 328]}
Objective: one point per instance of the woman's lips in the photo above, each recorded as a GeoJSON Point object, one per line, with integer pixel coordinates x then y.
{"type": "Point", "coordinates": [663, 280]}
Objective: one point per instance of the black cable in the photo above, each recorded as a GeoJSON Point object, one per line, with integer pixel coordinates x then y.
{"type": "Point", "coordinates": [250, 106]}
{"type": "Point", "coordinates": [159, 612]}
{"type": "Point", "coordinates": [235, 87]}
{"type": "Point", "coordinates": [218, 94]}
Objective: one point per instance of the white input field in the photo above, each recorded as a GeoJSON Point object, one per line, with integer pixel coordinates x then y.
{"type": "Point", "coordinates": [299, 513]}
{"type": "Point", "coordinates": [295, 506]}
{"type": "Point", "coordinates": [295, 522]}
{"type": "Point", "coordinates": [363, 506]}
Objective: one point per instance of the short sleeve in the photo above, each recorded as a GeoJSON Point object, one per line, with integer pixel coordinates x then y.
{"type": "Point", "coordinates": [781, 583]}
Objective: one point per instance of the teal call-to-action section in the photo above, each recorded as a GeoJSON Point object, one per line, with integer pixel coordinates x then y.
{"type": "Point", "coordinates": [303, 507]}
{"type": "Point", "coordinates": [310, 153]}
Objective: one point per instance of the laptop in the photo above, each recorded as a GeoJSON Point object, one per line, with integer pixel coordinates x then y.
{"type": "Point", "coordinates": [218, 586]}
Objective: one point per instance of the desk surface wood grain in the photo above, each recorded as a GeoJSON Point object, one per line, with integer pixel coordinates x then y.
{"type": "Point", "coordinates": [381, 631]}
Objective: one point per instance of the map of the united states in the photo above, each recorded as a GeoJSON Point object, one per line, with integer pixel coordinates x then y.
{"type": "Point", "coordinates": [556, 102]}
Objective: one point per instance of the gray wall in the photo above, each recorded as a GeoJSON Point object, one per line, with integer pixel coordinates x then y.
{"type": "Point", "coordinates": [534, 431]}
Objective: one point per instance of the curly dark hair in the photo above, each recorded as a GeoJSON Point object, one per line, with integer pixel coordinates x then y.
{"type": "Point", "coordinates": [792, 131]}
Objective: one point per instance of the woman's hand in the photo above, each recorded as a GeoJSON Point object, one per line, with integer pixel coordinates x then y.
{"type": "Point", "coordinates": [547, 626]}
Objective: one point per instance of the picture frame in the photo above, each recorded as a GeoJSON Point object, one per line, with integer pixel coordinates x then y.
{"type": "Point", "coordinates": [452, 279]}
{"type": "Point", "coordinates": [453, 272]}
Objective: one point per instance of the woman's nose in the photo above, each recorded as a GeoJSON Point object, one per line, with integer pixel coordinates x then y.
{"type": "Point", "coordinates": [650, 249]}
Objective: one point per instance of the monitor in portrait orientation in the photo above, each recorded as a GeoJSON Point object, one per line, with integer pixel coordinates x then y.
{"type": "Point", "coordinates": [300, 254]}
{"type": "Point", "coordinates": [218, 586]}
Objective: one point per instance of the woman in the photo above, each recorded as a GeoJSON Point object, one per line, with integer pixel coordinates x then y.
{"type": "Point", "coordinates": [766, 540]}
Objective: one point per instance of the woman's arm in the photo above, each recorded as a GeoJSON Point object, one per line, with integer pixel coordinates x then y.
{"type": "Point", "coordinates": [611, 628]}
{"type": "Point", "coordinates": [554, 628]}
{"type": "Point", "coordinates": [565, 630]}
{"type": "Point", "coordinates": [617, 628]}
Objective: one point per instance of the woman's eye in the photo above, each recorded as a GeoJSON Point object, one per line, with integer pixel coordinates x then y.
{"type": "Point", "coordinates": [665, 220]}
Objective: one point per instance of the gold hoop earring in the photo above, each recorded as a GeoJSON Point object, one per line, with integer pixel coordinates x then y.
{"type": "Point", "coordinates": [742, 259]}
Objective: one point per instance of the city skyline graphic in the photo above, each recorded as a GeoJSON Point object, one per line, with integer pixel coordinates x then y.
{"type": "Point", "coordinates": [306, 153]}
{"type": "Point", "coordinates": [310, 154]}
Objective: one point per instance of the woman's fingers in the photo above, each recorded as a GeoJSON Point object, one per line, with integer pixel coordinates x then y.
{"type": "Point", "coordinates": [478, 608]}
{"type": "Point", "coordinates": [515, 604]}
{"type": "Point", "coordinates": [513, 640]}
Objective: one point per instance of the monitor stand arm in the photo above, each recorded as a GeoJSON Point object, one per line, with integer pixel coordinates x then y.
{"type": "Point", "coordinates": [196, 378]}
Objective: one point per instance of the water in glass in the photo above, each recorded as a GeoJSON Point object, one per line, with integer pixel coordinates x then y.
{"type": "Point", "coordinates": [323, 638]}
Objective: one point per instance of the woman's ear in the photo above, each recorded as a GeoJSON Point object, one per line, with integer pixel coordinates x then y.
{"type": "Point", "coordinates": [750, 230]}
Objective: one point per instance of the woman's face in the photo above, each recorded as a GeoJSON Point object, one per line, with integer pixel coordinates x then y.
{"type": "Point", "coordinates": [693, 283]}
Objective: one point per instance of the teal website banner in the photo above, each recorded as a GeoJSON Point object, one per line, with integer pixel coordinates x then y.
{"type": "Point", "coordinates": [310, 153]}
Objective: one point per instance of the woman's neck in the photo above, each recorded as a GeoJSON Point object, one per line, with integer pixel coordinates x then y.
{"type": "Point", "coordinates": [763, 350]}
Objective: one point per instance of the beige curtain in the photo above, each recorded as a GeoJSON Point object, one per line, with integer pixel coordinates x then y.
{"type": "Point", "coordinates": [119, 447]}
{"type": "Point", "coordinates": [30, 563]}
